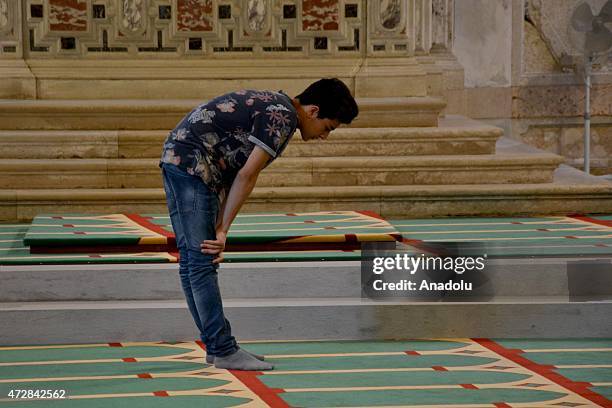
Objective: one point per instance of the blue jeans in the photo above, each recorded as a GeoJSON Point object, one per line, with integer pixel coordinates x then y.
{"type": "Point", "coordinates": [193, 209]}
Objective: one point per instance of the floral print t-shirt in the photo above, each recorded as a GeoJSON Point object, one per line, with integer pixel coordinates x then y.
{"type": "Point", "coordinates": [216, 138]}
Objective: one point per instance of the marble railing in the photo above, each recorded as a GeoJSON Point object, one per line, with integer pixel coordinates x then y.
{"type": "Point", "coordinates": [167, 29]}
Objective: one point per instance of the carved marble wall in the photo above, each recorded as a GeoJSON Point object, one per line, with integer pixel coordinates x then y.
{"type": "Point", "coordinates": [547, 23]}
{"type": "Point", "coordinates": [442, 24]}
{"type": "Point", "coordinates": [222, 28]}
{"type": "Point", "coordinates": [548, 91]}
{"type": "Point", "coordinates": [10, 30]}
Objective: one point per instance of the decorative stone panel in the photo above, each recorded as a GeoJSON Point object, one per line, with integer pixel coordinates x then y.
{"type": "Point", "coordinates": [442, 24]}
{"type": "Point", "coordinates": [67, 15]}
{"type": "Point", "coordinates": [391, 27]}
{"type": "Point", "coordinates": [320, 15]}
{"type": "Point", "coordinates": [194, 15]}
{"type": "Point", "coordinates": [10, 30]}
{"type": "Point", "coordinates": [228, 28]}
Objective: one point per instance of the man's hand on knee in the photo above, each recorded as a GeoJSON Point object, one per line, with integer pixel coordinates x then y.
{"type": "Point", "coordinates": [215, 247]}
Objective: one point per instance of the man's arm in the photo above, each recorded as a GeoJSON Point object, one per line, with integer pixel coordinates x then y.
{"type": "Point", "coordinates": [221, 210]}
{"type": "Point", "coordinates": [241, 188]}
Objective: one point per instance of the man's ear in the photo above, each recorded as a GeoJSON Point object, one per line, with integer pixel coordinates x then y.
{"type": "Point", "coordinates": [313, 111]}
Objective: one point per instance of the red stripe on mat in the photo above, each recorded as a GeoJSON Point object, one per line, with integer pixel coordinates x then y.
{"type": "Point", "coordinates": [250, 380]}
{"type": "Point", "coordinates": [605, 223]}
{"type": "Point", "coordinates": [546, 371]}
{"type": "Point", "coordinates": [397, 237]}
{"type": "Point", "coordinates": [420, 245]}
{"type": "Point", "coordinates": [371, 214]}
{"type": "Point", "coordinates": [93, 249]}
{"type": "Point", "coordinates": [410, 241]}
{"type": "Point", "coordinates": [268, 395]}
{"type": "Point", "coordinates": [143, 222]}
{"type": "Point", "coordinates": [438, 368]}
{"type": "Point", "coordinates": [293, 246]}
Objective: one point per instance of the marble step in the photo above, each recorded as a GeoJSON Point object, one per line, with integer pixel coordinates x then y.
{"type": "Point", "coordinates": [571, 191]}
{"type": "Point", "coordinates": [469, 138]}
{"type": "Point", "coordinates": [304, 319]}
{"type": "Point", "coordinates": [138, 114]}
{"type": "Point", "coordinates": [293, 171]}
{"type": "Point", "coordinates": [574, 277]}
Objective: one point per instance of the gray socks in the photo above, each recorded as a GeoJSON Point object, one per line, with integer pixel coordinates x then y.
{"type": "Point", "coordinates": [210, 359]}
{"type": "Point", "coordinates": [242, 360]}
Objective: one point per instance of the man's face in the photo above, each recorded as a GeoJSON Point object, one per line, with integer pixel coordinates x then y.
{"type": "Point", "coordinates": [315, 128]}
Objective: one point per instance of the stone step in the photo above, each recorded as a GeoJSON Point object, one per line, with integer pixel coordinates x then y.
{"type": "Point", "coordinates": [577, 277]}
{"type": "Point", "coordinates": [294, 171]}
{"type": "Point", "coordinates": [138, 144]}
{"type": "Point", "coordinates": [303, 319]}
{"type": "Point", "coordinates": [571, 191]}
{"type": "Point", "coordinates": [137, 114]}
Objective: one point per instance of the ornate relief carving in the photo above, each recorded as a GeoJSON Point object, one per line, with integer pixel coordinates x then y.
{"type": "Point", "coordinates": [390, 13]}
{"type": "Point", "coordinates": [133, 14]}
{"type": "Point", "coordinates": [10, 30]}
{"type": "Point", "coordinates": [318, 15]}
{"type": "Point", "coordinates": [4, 17]}
{"type": "Point", "coordinates": [67, 15]}
{"type": "Point", "coordinates": [391, 27]}
{"type": "Point", "coordinates": [442, 24]}
{"type": "Point", "coordinates": [194, 15]}
{"type": "Point", "coordinates": [256, 12]}
{"type": "Point", "coordinates": [422, 26]}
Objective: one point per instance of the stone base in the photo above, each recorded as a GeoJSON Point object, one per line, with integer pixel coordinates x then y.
{"type": "Point", "coordinates": [445, 79]}
{"type": "Point", "coordinates": [16, 80]}
{"type": "Point", "coordinates": [386, 77]}
{"type": "Point", "coordinates": [135, 114]}
{"type": "Point", "coordinates": [204, 79]}
{"type": "Point", "coordinates": [565, 137]}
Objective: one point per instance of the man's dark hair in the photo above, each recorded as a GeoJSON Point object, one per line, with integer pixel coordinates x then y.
{"type": "Point", "coordinates": [333, 98]}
